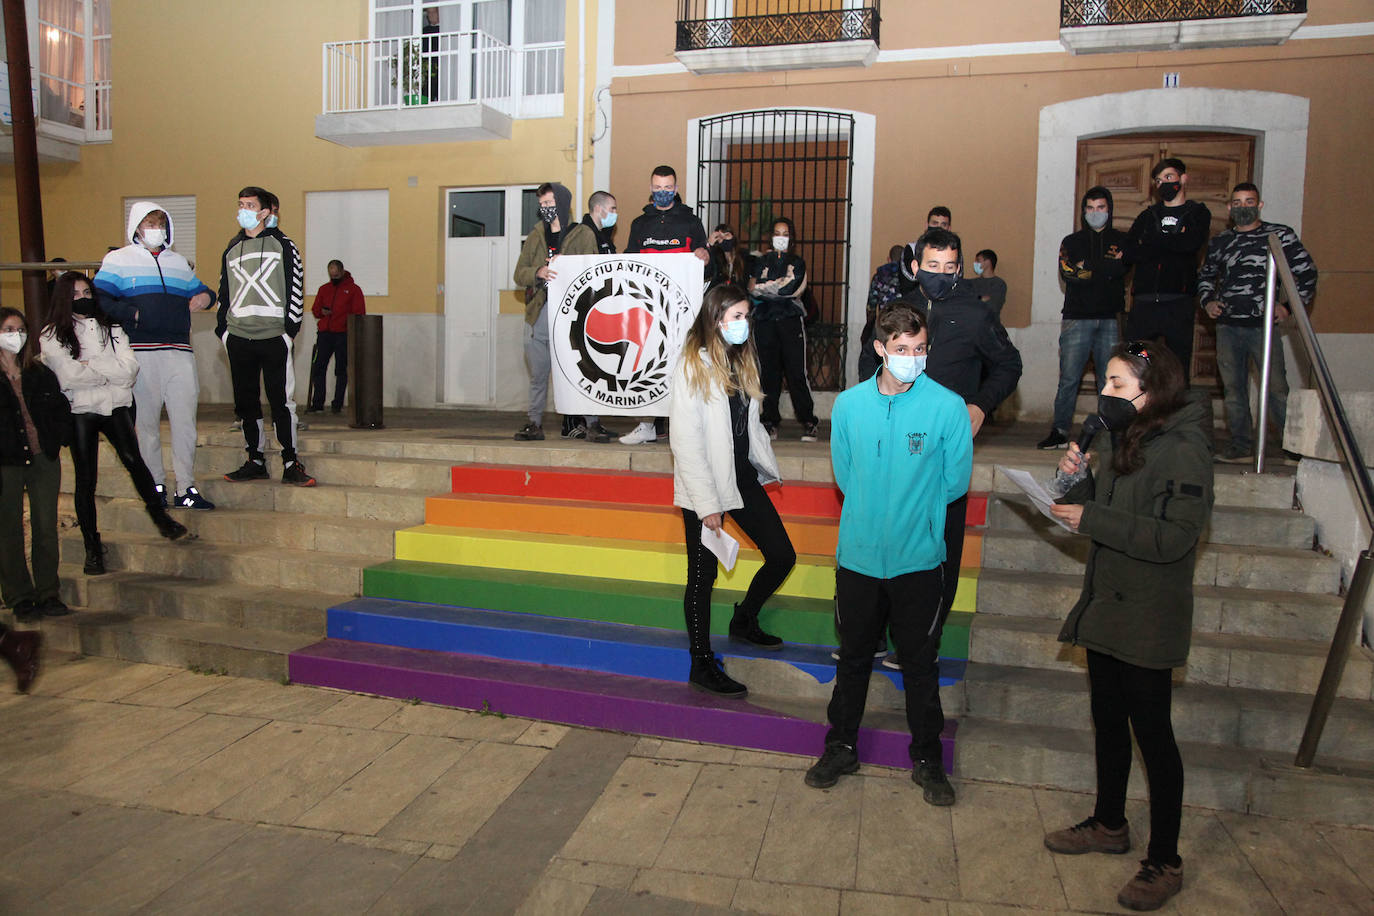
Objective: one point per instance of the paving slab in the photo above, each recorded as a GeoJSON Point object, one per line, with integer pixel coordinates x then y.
{"type": "Point", "coordinates": [812, 836]}
{"type": "Point", "coordinates": [906, 846]}
{"type": "Point", "coordinates": [720, 826]}
{"type": "Point", "coordinates": [693, 887]}
{"type": "Point", "coordinates": [1297, 865]}
{"type": "Point", "coordinates": [631, 820]}
{"type": "Point", "coordinates": [1000, 839]}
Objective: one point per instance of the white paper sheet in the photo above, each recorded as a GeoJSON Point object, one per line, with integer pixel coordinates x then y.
{"type": "Point", "coordinates": [1039, 496]}
{"type": "Point", "coordinates": [722, 545]}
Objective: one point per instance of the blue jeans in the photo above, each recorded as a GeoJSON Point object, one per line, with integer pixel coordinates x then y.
{"type": "Point", "coordinates": [1080, 338]}
{"type": "Point", "coordinates": [1236, 346]}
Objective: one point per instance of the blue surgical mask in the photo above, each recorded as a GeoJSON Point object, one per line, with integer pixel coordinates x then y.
{"type": "Point", "coordinates": [906, 368]}
{"type": "Point", "coordinates": [736, 332]}
{"type": "Point", "coordinates": [248, 218]}
{"type": "Point", "coordinates": [663, 198]}
{"type": "Point", "coordinates": [608, 220]}
{"type": "Point", "coordinates": [271, 221]}
{"type": "Point", "coordinates": [978, 268]}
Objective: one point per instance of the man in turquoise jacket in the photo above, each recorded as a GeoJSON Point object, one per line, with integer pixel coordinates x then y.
{"type": "Point", "coordinates": [902, 450]}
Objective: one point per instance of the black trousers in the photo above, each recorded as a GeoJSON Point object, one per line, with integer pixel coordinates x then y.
{"type": "Point", "coordinates": [118, 428]}
{"type": "Point", "coordinates": [330, 344]}
{"type": "Point", "coordinates": [1128, 698]}
{"type": "Point", "coordinates": [759, 519]}
{"type": "Point", "coordinates": [270, 361]}
{"type": "Point", "coordinates": [1167, 318]}
{"type": "Point", "coordinates": [909, 607]}
{"type": "Point", "coordinates": [781, 343]}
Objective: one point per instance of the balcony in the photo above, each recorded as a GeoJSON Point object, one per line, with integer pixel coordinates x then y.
{"type": "Point", "coordinates": [1101, 26]}
{"type": "Point", "coordinates": [729, 36]}
{"type": "Point", "coordinates": [438, 88]}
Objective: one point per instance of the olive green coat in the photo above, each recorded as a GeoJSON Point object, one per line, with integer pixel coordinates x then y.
{"type": "Point", "coordinates": [534, 254]}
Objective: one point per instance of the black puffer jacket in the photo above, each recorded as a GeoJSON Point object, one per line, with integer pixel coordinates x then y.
{"type": "Point", "coordinates": [1137, 600]}
{"type": "Point", "coordinates": [52, 416]}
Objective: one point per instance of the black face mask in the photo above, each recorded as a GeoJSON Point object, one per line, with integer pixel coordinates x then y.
{"type": "Point", "coordinates": [336, 280]}
{"type": "Point", "coordinates": [1169, 190]}
{"type": "Point", "coordinates": [727, 245]}
{"type": "Point", "coordinates": [936, 286]}
{"type": "Point", "coordinates": [1116, 413]}
{"type": "Point", "coordinates": [84, 307]}
{"type": "Point", "coordinates": [548, 214]}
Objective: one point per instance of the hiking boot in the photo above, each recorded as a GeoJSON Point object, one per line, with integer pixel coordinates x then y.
{"type": "Point", "coordinates": [930, 776]}
{"type": "Point", "coordinates": [27, 610]}
{"type": "Point", "coordinates": [708, 676]}
{"type": "Point", "coordinates": [53, 607]}
{"type": "Point", "coordinates": [191, 499]}
{"type": "Point", "coordinates": [811, 431]}
{"type": "Point", "coordinates": [295, 474]}
{"type": "Point", "coordinates": [1154, 884]}
{"type": "Point", "coordinates": [1055, 439]}
{"type": "Point", "coordinates": [251, 470]}
{"type": "Point", "coordinates": [1089, 836]}
{"type": "Point", "coordinates": [745, 628]}
{"type": "Point", "coordinates": [167, 526]}
{"type": "Point", "coordinates": [20, 649]}
{"type": "Point", "coordinates": [598, 433]}
{"type": "Point", "coordinates": [161, 490]}
{"type": "Point", "coordinates": [642, 434]}
{"type": "Point", "coordinates": [530, 432]}
{"type": "Point", "coordinates": [95, 557]}
{"type": "Point", "coordinates": [838, 760]}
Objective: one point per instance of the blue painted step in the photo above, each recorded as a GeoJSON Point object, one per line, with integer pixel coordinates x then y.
{"type": "Point", "coordinates": [634, 651]}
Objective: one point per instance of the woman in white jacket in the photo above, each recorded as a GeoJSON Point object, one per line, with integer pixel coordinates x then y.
{"type": "Point", "coordinates": [722, 456]}
{"type": "Point", "coordinates": [95, 367]}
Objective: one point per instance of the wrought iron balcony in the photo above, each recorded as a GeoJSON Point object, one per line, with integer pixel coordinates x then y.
{"type": "Point", "coordinates": [715, 36]}
{"type": "Point", "coordinates": [1088, 26]}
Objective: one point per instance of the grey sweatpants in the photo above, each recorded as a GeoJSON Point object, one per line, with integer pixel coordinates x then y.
{"type": "Point", "coordinates": [167, 378]}
{"type": "Point", "coordinates": [540, 362]}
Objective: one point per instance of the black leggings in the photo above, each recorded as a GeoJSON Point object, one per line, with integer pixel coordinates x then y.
{"type": "Point", "coordinates": [1127, 697]}
{"type": "Point", "coordinates": [118, 428]}
{"type": "Point", "coordinates": [760, 521]}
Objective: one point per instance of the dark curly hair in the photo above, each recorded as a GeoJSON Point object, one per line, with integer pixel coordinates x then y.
{"type": "Point", "coordinates": [1161, 377]}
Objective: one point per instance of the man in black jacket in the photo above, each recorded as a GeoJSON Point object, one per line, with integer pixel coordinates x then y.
{"type": "Point", "coordinates": [1093, 269]}
{"type": "Point", "coordinates": [1163, 244]}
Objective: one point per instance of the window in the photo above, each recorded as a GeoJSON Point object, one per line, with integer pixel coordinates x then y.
{"type": "Point", "coordinates": [74, 68]}
{"type": "Point", "coordinates": [476, 214]}
{"type": "Point", "coordinates": [182, 210]}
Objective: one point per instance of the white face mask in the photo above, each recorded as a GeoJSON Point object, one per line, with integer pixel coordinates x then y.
{"type": "Point", "coordinates": [13, 341]}
{"type": "Point", "coordinates": [780, 242]}
{"type": "Point", "coordinates": [154, 238]}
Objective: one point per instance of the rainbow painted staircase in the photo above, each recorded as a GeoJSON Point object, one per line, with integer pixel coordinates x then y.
{"type": "Point", "coordinates": [557, 594]}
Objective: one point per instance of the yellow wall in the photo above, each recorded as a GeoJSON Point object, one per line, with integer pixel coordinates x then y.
{"type": "Point", "coordinates": [209, 97]}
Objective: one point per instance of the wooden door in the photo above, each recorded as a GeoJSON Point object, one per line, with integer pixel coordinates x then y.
{"type": "Point", "coordinates": [1216, 163]}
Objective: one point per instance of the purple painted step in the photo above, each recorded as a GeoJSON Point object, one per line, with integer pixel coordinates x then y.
{"type": "Point", "coordinates": [642, 706]}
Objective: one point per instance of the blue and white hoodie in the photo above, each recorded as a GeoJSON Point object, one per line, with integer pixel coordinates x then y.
{"type": "Point", "coordinates": [149, 293]}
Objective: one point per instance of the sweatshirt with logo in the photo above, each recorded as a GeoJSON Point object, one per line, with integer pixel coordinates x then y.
{"type": "Point", "coordinates": [261, 287]}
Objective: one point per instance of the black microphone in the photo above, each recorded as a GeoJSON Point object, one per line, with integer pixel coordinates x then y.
{"type": "Point", "coordinates": [1091, 427]}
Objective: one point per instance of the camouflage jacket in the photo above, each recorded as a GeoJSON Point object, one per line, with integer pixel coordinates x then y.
{"type": "Point", "coordinates": [1236, 267]}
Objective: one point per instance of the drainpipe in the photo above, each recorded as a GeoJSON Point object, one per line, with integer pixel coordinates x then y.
{"type": "Point", "coordinates": [580, 200]}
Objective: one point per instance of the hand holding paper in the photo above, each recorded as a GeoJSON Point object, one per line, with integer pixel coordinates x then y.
{"type": "Point", "coordinates": [722, 545]}
{"type": "Point", "coordinates": [1039, 496]}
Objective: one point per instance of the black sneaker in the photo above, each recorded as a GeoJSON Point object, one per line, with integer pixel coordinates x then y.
{"type": "Point", "coordinates": [576, 431]}
{"type": "Point", "coordinates": [598, 433]}
{"type": "Point", "coordinates": [746, 629]}
{"type": "Point", "coordinates": [54, 607]}
{"type": "Point", "coordinates": [336, 409]}
{"type": "Point", "coordinates": [169, 527]}
{"type": "Point", "coordinates": [313, 409]}
{"type": "Point", "coordinates": [530, 432]}
{"type": "Point", "coordinates": [191, 499]}
{"type": "Point", "coordinates": [1055, 439]}
{"type": "Point", "coordinates": [811, 431]}
{"type": "Point", "coordinates": [708, 676]}
{"type": "Point", "coordinates": [930, 776]}
{"type": "Point", "coordinates": [162, 493]}
{"type": "Point", "coordinates": [838, 760]}
{"type": "Point", "coordinates": [251, 470]}
{"type": "Point", "coordinates": [27, 611]}
{"type": "Point", "coordinates": [296, 476]}
{"type": "Point", "coordinates": [1236, 454]}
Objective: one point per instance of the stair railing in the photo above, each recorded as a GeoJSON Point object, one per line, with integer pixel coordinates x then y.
{"type": "Point", "coordinates": [1349, 449]}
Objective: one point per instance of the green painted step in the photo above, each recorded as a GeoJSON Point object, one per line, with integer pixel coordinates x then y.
{"type": "Point", "coordinates": [651, 604]}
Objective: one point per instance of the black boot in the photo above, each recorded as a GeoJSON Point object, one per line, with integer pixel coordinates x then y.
{"type": "Point", "coordinates": [707, 675]}
{"type": "Point", "coordinates": [167, 526]}
{"type": "Point", "coordinates": [744, 627]}
{"type": "Point", "coordinates": [95, 557]}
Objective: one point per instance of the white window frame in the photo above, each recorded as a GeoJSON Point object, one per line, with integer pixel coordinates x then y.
{"type": "Point", "coordinates": [91, 131]}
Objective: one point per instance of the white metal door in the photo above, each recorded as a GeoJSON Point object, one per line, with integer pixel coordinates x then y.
{"type": "Point", "coordinates": [473, 277]}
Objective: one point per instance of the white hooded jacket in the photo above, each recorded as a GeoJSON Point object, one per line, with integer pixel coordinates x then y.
{"type": "Point", "coordinates": [102, 378]}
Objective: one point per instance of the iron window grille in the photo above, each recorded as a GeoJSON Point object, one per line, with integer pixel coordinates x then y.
{"type": "Point", "coordinates": [701, 26]}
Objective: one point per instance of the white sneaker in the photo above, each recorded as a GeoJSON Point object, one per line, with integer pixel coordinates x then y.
{"type": "Point", "coordinates": [641, 435]}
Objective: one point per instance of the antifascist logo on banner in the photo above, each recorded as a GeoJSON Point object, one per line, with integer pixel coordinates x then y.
{"type": "Point", "coordinates": [617, 330]}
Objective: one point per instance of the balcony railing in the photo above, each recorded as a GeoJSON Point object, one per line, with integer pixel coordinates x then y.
{"type": "Point", "coordinates": [1075, 13]}
{"type": "Point", "coordinates": [707, 24]}
{"type": "Point", "coordinates": [443, 69]}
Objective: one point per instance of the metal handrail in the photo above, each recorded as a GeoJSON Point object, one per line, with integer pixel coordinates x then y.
{"type": "Point", "coordinates": [1349, 450]}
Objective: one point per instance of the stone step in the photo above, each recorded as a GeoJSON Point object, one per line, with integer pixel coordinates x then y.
{"type": "Point", "coordinates": [208, 647]}
{"type": "Point", "coordinates": [231, 604]}
{"type": "Point", "coordinates": [1231, 486]}
{"type": "Point", "coordinates": [367, 538]}
{"type": "Point", "coordinates": [1236, 611]}
{"type": "Point", "coordinates": [1234, 525]}
{"type": "Point", "coordinates": [1216, 659]}
{"type": "Point", "coordinates": [262, 565]}
{"type": "Point", "coordinates": [1227, 778]}
{"type": "Point", "coordinates": [1225, 716]}
{"type": "Point", "coordinates": [1271, 568]}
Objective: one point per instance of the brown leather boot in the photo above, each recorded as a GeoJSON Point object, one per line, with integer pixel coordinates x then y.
{"type": "Point", "coordinates": [21, 649]}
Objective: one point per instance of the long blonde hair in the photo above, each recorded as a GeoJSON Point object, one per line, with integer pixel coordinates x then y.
{"type": "Point", "coordinates": [730, 367]}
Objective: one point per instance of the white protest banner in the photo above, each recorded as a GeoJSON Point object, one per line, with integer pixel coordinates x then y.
{"type": "Point", "coordinates": [616, 326]}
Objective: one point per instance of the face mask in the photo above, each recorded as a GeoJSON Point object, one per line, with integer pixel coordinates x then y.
{"type": "Point", "coordinates": [780, 242]}
{"type": "Point", "coordinates": [336, 280]}
{"type": "Point", "coordinates": [736, 332]}
{"type": "Point", "coordinates": [904, 369]}
{"type": "Point", "coordinates": [154, 238]}
{"type": "Point", "coordinates": [936, 286]}
{"type": "Point", "coordinates": [1096, 219]}
{"type": "Point", "coordinates": [13, 341]}
{"type": "Point", "coordinates": [548, 214]}
{"type": "Point", "coordinates": [84, 307]}
{"type": "Point", "coordinates": [1244, 216]}
{"type": "Point", "coordinates": [727, 245]}
{"type": "Point", "coordinates": [248, 219]}
{"type": "Point", "coordinates": [1169, 190]}
{"type": "Point", "coordinates": [663, 199]}
{"type": "Point", "coordinates": [1116, 413]}
{"type": "Point", "coordinates": [271, 222]}
{"type": "Point", "coordinates": [978, 268]}
{"type": "Point", "coordinates": [608, 220]}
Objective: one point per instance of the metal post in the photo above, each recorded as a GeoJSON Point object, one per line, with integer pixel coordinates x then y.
{"type": "Point", "coordinates": [1346, 628]}
{"type": "Point", "coordinates": [28, 198]}
{"type": "Point", "coordinates": [365, 370]}
{"type": "Point", "coordinates": [1270, 285]}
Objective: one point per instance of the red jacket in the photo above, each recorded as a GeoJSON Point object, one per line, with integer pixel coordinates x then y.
{"type": "Point", "coordinates": [342, 300]}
